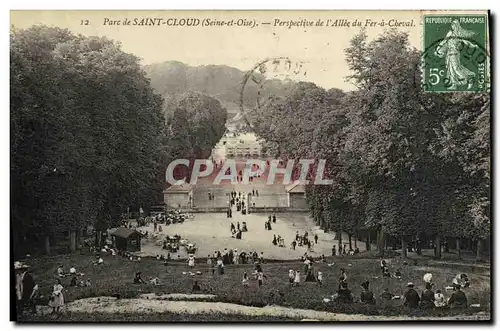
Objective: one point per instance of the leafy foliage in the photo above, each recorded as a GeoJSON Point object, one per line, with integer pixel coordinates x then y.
{"type": "Point", "coordinates": [402, 161]}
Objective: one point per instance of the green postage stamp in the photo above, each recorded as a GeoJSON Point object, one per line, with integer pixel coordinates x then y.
{"type": "Point", "coordinates": [456, 56]}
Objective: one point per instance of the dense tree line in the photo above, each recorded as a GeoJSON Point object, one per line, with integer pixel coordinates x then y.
{"type": "Point", "coordinates": [404, 163]}
{"type": "Point", "coordinates": [89, 135]}
{"type": "Point", "coordinates": [195, 123]}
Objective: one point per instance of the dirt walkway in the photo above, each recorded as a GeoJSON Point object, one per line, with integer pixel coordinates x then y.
{"type": "Point", "coordinates": [109, 305]}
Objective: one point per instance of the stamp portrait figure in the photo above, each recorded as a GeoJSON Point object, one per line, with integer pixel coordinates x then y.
{"type": "Point", "coordinates": [449, 49]}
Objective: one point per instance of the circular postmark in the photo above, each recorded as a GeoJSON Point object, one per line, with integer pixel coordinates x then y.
{"type": "Point", "coordinates": [268, 79]}
{"type": "Point", "coordinates": [454, 64]}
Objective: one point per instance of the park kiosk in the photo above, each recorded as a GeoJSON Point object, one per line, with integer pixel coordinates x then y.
{"type": "Point", "coordinates": [296, 195]}
{"type": "Point", "coordinates": [178, 196]}
{"type": "Point", "coordinates": [126, 239]}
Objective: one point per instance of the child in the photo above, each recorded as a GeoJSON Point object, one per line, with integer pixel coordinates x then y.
{"type": "Point", "coordinates": [34, 297]}
{"type": "Point", "coordinates": [320, 278]}
{"type": "Point", "coordinates": [60, 271]}
{"type": "Point", "coordinates": [343, 274]}
{"type": "Point", "coordinates": [367, 295]}
{"type": "Point", "coordinates": [386, 273]}
{"type": "Point", "coordinates": [383, 265]}
{"type": "Point", "coordinates": [260, 278]}
{"type": "Point", "coordinates": [196, 287]}
{"type": "Point", "coordinates": [191, 261]}
{"type": "Point", "coordinates": [57, 297]}
{"type": "Point", "coordinates": [138, 278]}
{"type": "Point", "coordinates": [74, 282]}
{"type": "Point", "coordinates": [209, 264]}
{"type": "Point", "coordinates": [291, 276]}
{"type": "Point", "coordinates": [244, 281]}
{"type": "Point", "coordinates": [439, 299]}
{"type": "Point", "coordinates": [220, 266]}
{"type": "Point", "coordinates": [296, 280]}
{"type": "Point", "coordinates": [386, 295]}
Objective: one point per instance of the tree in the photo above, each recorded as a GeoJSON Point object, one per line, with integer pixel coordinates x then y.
{"type": "Point", "coordinates": [88, 132]}
{"type": "Point", "coordinates": [195, 123]}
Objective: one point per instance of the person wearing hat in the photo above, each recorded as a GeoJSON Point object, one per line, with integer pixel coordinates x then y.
{"type": "Point", "coordinates": [24, 285]}
{"type": "Point", "coordinates": [344, 295]}
{"type": "Point", "coordinates": [411, 298]}
{"type": "Point", "coordinates": [60, 271]}
{"type": "Point", "coordinates": [427, 298]}
{"type": "Point", "coordinates": [461, 279]}
{"type": "Point", "coordinates": [367, 296]}
{"type": "Point", "coordinates": [458, 299]}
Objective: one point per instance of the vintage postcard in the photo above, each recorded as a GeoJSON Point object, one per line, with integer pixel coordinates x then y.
{"type": "Point", "coordinates": [250, 166]}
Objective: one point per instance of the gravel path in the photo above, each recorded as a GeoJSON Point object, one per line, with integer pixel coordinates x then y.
{"type": "Point", "coordinates": [130, 306]}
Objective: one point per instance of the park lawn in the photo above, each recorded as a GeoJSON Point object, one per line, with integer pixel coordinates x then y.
{"type": "Point", "coordinates": [114, 278]}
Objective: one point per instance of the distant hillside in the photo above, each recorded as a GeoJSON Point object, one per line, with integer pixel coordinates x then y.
{"type": "Point", "coordinates": [219, 81]}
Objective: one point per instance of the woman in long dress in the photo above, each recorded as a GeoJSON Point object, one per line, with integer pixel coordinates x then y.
{"type": "Point", "coordinates": [456, 74]}
{"type": "Point", "coordinates": [57, 297]}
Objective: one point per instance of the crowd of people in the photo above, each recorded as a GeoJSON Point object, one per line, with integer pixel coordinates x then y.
{"type": "Point", "coordinates": [304, 241]}
{"type": "Point", "coordinates": [172, 217]}
{"type": "Point", "coordinates": [236, 231]}
{"type": "Point", "coordinates": [237, 199]}
{"type": "Point", "coordinates": [28, 292]}
{"type": "Point", "coordinates": [343, 250]}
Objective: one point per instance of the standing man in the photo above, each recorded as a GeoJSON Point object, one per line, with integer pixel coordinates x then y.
{"type": "Point", "coordinates": [24, 286]}
{"type": "Point", "coordinates": [316, 238]}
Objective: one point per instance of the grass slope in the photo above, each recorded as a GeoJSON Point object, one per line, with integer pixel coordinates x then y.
{"type": "Point", "coordinates": [114, 278]}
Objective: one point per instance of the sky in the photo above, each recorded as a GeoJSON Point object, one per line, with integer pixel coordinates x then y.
{"type": "Point", "coordinates": [320, 48]}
